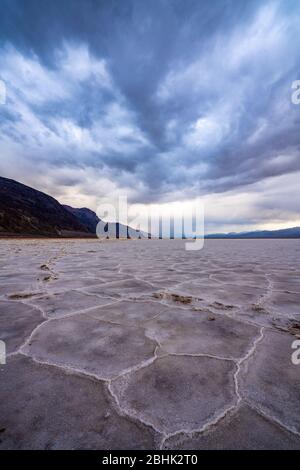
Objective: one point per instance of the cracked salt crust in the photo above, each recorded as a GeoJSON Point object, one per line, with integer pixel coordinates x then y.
{"type": "Point", "coordinates": [168, 374]}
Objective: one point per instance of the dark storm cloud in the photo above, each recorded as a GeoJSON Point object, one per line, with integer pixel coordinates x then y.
{"type": "Point", "coordinates": [160, 96]}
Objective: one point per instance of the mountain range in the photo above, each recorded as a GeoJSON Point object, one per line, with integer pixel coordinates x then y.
{"type": "Point", "coordinates": [24, 211]}
{"type": "Point", "coordinates": [293, 232]}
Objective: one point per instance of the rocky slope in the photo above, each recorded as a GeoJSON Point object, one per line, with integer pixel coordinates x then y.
{"type": "Point", "coordinates": [85, 216]}
{"type": "Point", "coordinates": [26, 211]}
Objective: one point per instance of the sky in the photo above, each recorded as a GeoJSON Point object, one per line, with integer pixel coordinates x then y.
{"type": "Point", "coordinates": [165, 101]}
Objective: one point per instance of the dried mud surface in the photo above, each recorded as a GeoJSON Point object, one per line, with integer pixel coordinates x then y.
{"type": "Point", "coordinates": [141, 344]}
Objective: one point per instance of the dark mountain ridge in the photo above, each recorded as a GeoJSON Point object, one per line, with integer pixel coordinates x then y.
{"type": "Point", "coordinates": [86, 216]}
{"type": "Point", "coordinates": [26, 211]}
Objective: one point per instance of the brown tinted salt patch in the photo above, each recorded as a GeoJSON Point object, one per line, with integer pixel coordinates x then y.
{"type": "Point", "coordinates": [227, 299]}
{"type": "Point", "coordinates": [290, 325]}
{"type": "Point", "coordinates": [229, 294]}
{"type": "Point", "coordinates": [24, 295]}
{"type": "Point", "coordinates": [14, 288]}
{"type": "Point", "coordinates": [171, 297]}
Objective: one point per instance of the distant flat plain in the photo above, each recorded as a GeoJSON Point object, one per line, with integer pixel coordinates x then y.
{"type": "Point", "coordinates": [140, 344]}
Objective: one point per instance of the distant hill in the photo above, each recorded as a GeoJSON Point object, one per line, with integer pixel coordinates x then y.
{"type": "Point", "coordinates": [85, 216]}
{"type": "Point", "coordinates": [90, 219]}
{"type": "Point", "coordinates": [293, 232]}
{"type": "Point", "coordinates": [26, 211]}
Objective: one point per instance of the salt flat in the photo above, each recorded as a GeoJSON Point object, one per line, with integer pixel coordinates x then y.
{"type": "Point", "coordinates": [141, 344]}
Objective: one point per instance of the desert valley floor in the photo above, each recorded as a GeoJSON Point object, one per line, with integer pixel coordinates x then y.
{"type": "Point", "coordinates": [141, 344]}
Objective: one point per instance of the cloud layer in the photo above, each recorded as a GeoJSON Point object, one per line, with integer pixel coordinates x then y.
{"type": "Point", "coordinates": [161, 100]}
